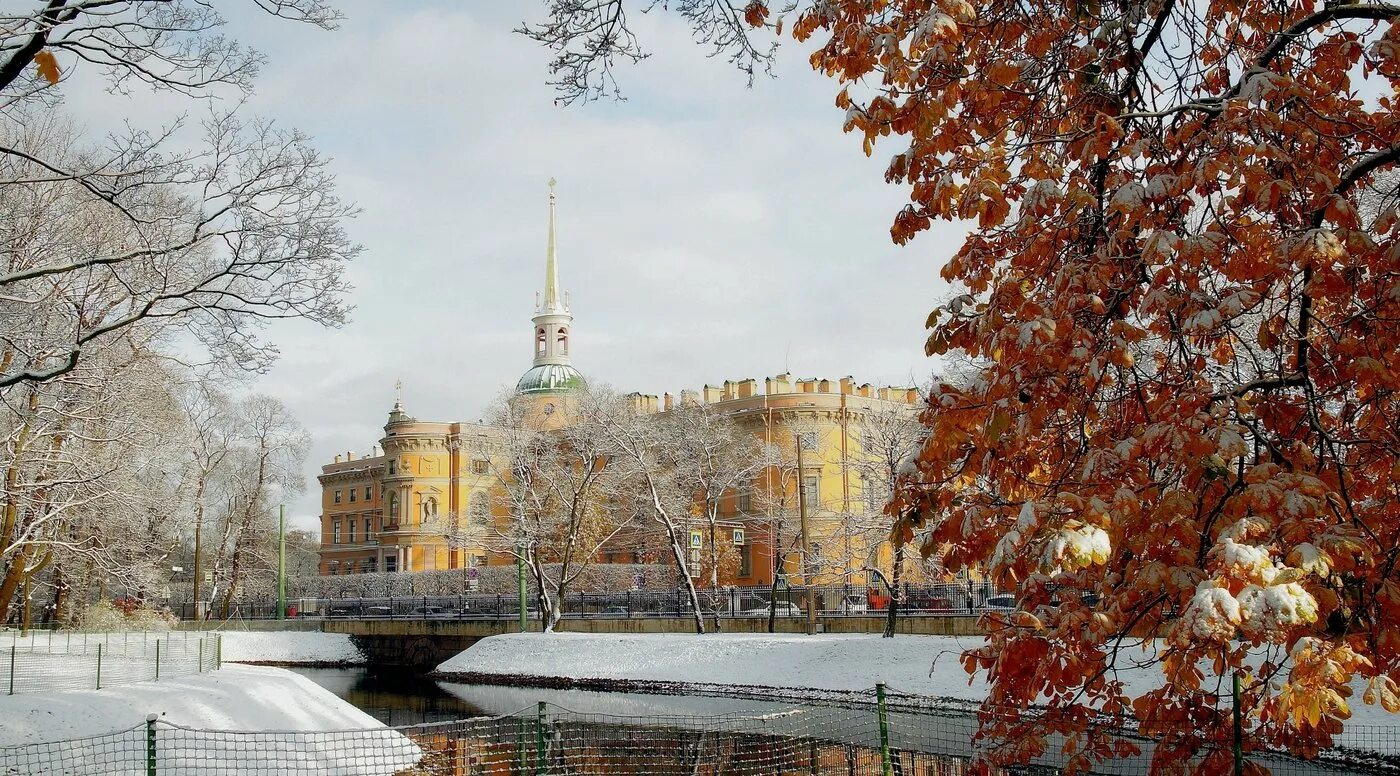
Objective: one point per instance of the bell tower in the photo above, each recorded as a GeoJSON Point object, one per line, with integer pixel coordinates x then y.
{"type": "Point", "coordinates": [553, 323]}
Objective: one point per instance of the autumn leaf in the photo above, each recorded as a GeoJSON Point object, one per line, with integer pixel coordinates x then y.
{"type": "Point", "coordinates": [47, 65]}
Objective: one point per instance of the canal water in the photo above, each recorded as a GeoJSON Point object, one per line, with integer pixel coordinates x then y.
{"type": "Point", "coordinates": [926, 742]}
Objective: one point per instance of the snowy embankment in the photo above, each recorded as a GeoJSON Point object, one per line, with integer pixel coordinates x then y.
{"type": "Point", "coordinates": [236, 698]}
{"type": "Point", "coordinates": [290, 648]}
{"type": "Point", "coordinates": [823, 662]}
{"type": "Point", "coordinates": [744, 663]}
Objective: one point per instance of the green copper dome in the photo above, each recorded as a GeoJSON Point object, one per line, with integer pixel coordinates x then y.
{"type": "Point", "coordinates": [550, 378]}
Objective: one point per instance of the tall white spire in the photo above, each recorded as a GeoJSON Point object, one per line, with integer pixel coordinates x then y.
{"type": "Point", "coordinates": [550, 301]}
{"type": "Point", "coordinates": [552, 321]}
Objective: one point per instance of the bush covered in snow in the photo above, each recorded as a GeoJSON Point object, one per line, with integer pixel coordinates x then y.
{"type": "Point", "coordinates": [124, 615]}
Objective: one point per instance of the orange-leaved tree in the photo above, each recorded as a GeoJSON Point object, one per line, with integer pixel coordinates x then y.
{"type": "Point", "coordinates": [1182, 298]}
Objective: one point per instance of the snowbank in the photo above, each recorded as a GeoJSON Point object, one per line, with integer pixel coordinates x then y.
{"type": "Point", "coordinates": [290, 648]}
{"type": "Point", "coordinates": [921, 665]}
{"type": "Point", "coordinates": [232, 698]}
{"type": "Point", "coordinates": [822, 662]}
{"type": "Point", "coordinates": [235, 698]}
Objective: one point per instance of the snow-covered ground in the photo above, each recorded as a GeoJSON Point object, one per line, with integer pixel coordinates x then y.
{"type": "Point", "coordinates": [922, 665]}
{"type": "Point", "coordinates": [235, 698]}
{"type": "Point", "coordinates": [289, 647]}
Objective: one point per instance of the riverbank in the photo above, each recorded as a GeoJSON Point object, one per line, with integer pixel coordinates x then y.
{"type": "Point", "coordinates": [232, 698]}
{"type": "Point", "coordinates": [308, 649]}
{"type": "Point", "coordinates": [821, 668]}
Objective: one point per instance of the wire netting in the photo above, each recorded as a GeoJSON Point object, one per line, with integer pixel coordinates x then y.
{"type": "Point", "coordinates": [47, 661]}
{"type": "Point", "coordinates": [548, 739]}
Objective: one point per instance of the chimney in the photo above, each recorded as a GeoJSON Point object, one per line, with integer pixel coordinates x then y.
{"type": "Point", "coordinates": [767, 385]}
{"type": "Point", "coordinates": [807, 385]}
{"type": "Point", "coordinates": [848, 385]}
{"type": "Point", "coordinates": [667, 402]}
{"type": "Point", "coordinates": [349, 455]}
{"type": "Point", "coordinates": [337, 457]}
{"type": "Point", "coordinates": [824, 386]}
{"type": "Point", "coordinates": [747, 387]}
{"type": "Point", "coordinates": [865, 390]}
{"type": "Point", "coordinates": [711, 394]}
{"type": "Point", "coordinates": [883, 393]}
{"type": "Point", "coordinates": [728, 390]}
{"type": "Point", "coordinates": [783, 383]}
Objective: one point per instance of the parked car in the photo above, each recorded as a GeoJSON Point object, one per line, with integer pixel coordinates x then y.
{"type": "Point", "coordinates": [614, 611]}
{"type": "Point", "coordinates": [922, 601]}
{"type": "Point", "coordinates": [378, 612]}
{"type": "Point", "coordinates": [432, 613]}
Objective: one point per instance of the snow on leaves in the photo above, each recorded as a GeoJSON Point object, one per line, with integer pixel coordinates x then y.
{"type": "Point", "coordinates": [1183, 312]}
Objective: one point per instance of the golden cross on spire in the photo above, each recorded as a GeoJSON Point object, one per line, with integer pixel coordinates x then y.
{"type": "Point", "coordinates": [398, 392]}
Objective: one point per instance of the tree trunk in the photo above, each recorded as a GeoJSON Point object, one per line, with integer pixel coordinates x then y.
{"type": "Point", "coordinates": [895, 594]}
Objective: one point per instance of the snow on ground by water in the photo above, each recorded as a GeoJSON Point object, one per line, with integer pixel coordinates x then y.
{"type": "Point", "coordinates": [290, 647]}
{"type": "Point", "coordinates": [824, 662]}
{"type": "Point", "coordinates": [238, 698]}
{"type": "Point", "coordinates": [923, 665]}
{"type": "Point", "coordinates": [232, 698]}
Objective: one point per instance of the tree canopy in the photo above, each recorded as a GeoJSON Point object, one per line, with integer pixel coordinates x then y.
{"type": "Point", "coordinates": [1179, 293]}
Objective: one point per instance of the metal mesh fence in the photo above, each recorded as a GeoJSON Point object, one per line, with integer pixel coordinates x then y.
{"type": "Point", "coordinates": [48, 661]}
{"type": "Point", "coordinates": [884, 739]}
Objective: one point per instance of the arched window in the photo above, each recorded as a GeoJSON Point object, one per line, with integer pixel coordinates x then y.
{"type": "Point", "coordinates": [563, 341]}
{"type": "Point", "coordinates": [480, 510]}
{"type": "Point", "coordinates": [539, 342]}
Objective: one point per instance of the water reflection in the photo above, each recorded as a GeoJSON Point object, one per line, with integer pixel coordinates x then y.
{"type": "Point", "coordinates": [394, 697]}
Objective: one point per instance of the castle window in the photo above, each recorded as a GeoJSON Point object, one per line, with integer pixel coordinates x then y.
{"type": "Point", "coordinates": [353, 492]}
{"type": "Point", "coordinates": [480, 467]}
{"type": "Point", "coordinates": [351, 534]}
{"type": "Point", "coordinates": [808, 440]}
{"type": "Point", "coordinates": [810, 492]}
{"type": "Point", "coordinates": [563, 340]}
{"type": "Point", "coordinates": [745, 501]}
{"type": "Point", "coordinates": [335, 532]}
{"type": "Point", "coordinates": [369, 493]}
{"type": "Point", "coordinates": [539, 342]}
{"type": "Point", "coordinates": [337, 497]}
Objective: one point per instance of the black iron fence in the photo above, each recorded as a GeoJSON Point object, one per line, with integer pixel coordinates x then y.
{"type": "Point", "coordinates": [942, 599]}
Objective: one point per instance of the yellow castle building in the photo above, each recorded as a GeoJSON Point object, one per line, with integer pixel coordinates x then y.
{"type": "Point", "coordinates": [429, 497]}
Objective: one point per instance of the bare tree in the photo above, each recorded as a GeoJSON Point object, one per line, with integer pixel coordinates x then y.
{"type": "Point", "coordinates": [211, 240]}
{"type": "Point", "coordinates": [589, 38]}
{"type": "Point", "coordinates": [264, 468]}
{"type": "Point", "coordinates": [645, 445]}
{"type": "Point", "coordinates": [715, 459]}
{"type": "Point", "coordinates": [564, 488]}
{"type": "Point", "coordinates": [887, 437]}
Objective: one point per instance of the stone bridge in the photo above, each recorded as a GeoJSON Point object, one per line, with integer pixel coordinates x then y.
{"type": "Point", "coordinates": [423, 644]}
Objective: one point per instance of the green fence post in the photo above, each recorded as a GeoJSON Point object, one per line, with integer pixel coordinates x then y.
{"type": "Point", "coordinates": [539, 739]}
{"type": "Point", "coordinates": [1239, 727]}
{"type": "Point", "coordinates": [157, 660]}
{"type": "Point", "coordinates": [99, 665]}
{"type": "Point", "coordinates": [150, 745]}
{"type": "Point", "coordinates": [884, 729]}
{"type": "Point", "coordinates": [12, 669]}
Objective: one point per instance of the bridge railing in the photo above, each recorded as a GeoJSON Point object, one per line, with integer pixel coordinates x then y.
{"type": "Point", "coordinates": [942, 599]}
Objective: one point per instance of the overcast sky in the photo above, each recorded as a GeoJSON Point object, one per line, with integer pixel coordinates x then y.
{"type": "Point", "coordinates": [707, 231]}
